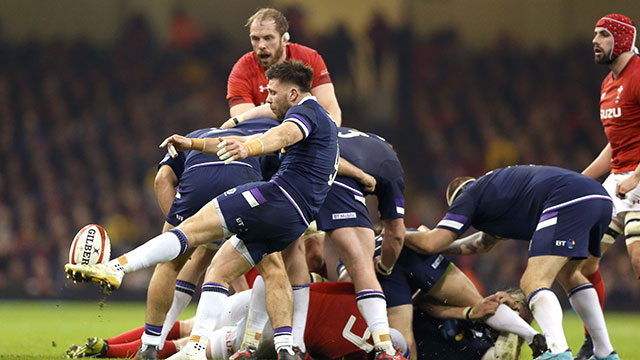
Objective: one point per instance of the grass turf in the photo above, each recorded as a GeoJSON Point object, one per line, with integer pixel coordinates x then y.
{"type": "Point", "coordinates": [44, 330]}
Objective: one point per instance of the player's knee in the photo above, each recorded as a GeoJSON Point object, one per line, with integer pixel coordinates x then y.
{"type": "Point", "coordinates": [613, 231]}
{"type": "Point", "coordinates": [632, 228]}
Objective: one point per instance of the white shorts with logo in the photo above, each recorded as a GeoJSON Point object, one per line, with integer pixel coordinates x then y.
{"type": "Point", "coordinates": [621, 206]}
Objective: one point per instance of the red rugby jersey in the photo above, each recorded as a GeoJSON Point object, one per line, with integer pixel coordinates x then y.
{"type": "Point", "coordinates": [248, 84]}
{"type": "Point", "coordinates": [620, 116]}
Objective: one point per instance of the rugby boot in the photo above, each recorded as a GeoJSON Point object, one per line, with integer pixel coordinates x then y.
{"type": "Point", "coordinates": [151, 352]}
{"type": "Point", "coordinates": [538, 345]}
{"type": "Point", "coordinates": [383, 355]}
{"type": "Point", "coordinates": [567, 355]}
{"type": "Point", "coordinates": [107, 276]}
{"type": "Point", "coordinates": [612, 356]}
{"type": "Point", "coordinates": [284, 354]}
{"type": "Point", "coordinates": [302, 355]}
{"type": "Point", "coordinates": [586, 351]}
{"type": "Point", "coordinates": [247, 353]}
{"type": "Point", "coordinates": [95, 347]}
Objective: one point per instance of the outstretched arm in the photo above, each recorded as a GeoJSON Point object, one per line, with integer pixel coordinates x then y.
{"type": "Point", "coordinates": [477, 243]}
{"type": "Point", "coordinates": [430, 241]}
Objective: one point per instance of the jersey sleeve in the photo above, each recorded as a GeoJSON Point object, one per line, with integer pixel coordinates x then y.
{"type": "Point", "coordinates": [298, 116]}
{"type": "Point", "coordinates": [390, 191]}
{"type": "Point", "coordinates": [320, 72]}
{"type": "Point", "coordinates": [239, 85]}
{"type": "Point", "coordinates": [176, 164]}
{"type": "Point", "coordinates": [458, 217]}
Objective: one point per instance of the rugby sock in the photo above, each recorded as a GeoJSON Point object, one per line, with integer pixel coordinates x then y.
{"type": "Point", "coordinates": [129, 349]}
{"type": "Point", "coordinates": [508, 320]}
{"type": "Point", "coordinates": [151, 335]}
{"type": "Point", "coordinates": [125, 337]}
{"type": "Point", "coordinates": [181, 298]}
{"type": "Point", "coordinates": [598, 284]}
{"type": "Point", "coordinates": [257, 316]}
{"type": "Point", "coordinates": [547, 311]}
{"type": "Point", "coordinates": [162, 248]}
{"type": "Point", "coordinates": [282, 339]}
{"type": "Point", "coordinates": [373, 307]}
{"type": "Point", "coordinates": [300, 310]}
{"type": "Point", "coordinates": [210, 307]}
{"type": "Point", "coordinates": [584, 300]}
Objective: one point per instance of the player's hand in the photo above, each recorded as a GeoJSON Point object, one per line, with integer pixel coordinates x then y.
{"type": "Point", "coordinates": [504, 298]}
{"type": "Point", "coordinates": [483, 308]}
{"type": "Point", "coordinates": [423, 228]}
{"type": "Point", "coordinates": [368, 182]}
{"type": "Point", "coordinates": [381, 268]}
{"type": "Point", "coordinates": [176, 142]}
{"type": "Point", "coordinates": [231, 149]}
{"type": "Point", "coordinates": [626, 185]}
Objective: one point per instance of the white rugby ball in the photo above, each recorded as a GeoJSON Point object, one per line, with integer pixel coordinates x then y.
{"type": "Point", "coordinates": [90, 246]}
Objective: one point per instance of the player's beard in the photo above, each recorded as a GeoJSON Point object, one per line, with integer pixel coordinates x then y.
{"type": "Point", "coordinates": [604, 58]}
{"type": "Point", "coordinates": [273, 59]}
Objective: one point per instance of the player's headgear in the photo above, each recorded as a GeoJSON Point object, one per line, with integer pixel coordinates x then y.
{"type": "Point", "coordinates": [455, 186]}
{"type": "Point", "coordinates": [623, 32]}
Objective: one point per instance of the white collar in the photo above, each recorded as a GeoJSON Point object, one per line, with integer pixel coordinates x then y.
{"type": "Point", "coordinates": [309, 97]}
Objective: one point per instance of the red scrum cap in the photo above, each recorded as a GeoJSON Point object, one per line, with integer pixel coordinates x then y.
{"type": "Point", "coordinates": [622, 30]}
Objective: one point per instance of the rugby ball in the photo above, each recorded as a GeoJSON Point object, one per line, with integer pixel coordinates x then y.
{"type": "Point", "coordinates": [90, 246]}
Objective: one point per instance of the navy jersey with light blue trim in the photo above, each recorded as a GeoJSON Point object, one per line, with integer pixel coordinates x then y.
{"type": "Point", "coordinates": [189, 158]}
{"type": "Point", "coordinates": [375, 156]}
{"type": "Point", "coordinates": [309, 166]}
{"type": "Point", "coordinates": [508, 202]}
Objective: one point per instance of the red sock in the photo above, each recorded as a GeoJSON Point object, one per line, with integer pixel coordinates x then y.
{"type": "Point", "coordinates": [174, 333]}
{"type": "Point", "coordinates": [598, 284]}
{"type": "Point", "coordinates": [131, 335]}
{"type": "Point", "coordinates": [168, 349]}
{"type": "Point", "coordinates": [123, 350]}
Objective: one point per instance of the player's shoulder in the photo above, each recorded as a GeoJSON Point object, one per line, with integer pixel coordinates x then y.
{"type": "Point", "coordinates": [296, 51]}
{"type": "Point", "coordinates": [247, 62]}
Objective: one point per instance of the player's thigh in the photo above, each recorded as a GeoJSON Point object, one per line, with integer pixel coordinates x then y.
{"type": "Point", "coordinates": [227, 264]}
{"type": "Point", "coordinates": [354, 244]}
{"type": "Point", "coordinates": [541, 271]}
{"type": "Point", "coordinates": [570, 275]}
{"type": "Point", "coordinates": [456, 289]}
{"type": "Point", "coordinates": [272, 266]}
{"type": "Point", "coordinates": [204, 226]}
{"type": "Point", "coordinates": [197, 264]}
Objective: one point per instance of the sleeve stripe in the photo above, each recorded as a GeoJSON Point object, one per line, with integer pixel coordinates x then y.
{"type": "Point", "coordinates": [301, 122]}
{"type": "Point", "coordinates": [450, 224]}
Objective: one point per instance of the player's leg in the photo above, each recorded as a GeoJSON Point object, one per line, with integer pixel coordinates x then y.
{"type": "Point", "coordinates": [298, 273]}
{"type": "Point", "coordinates": [227, 265]}
{"type": "Point", "coordinates": [632, 234]}
{"type": "Point", "coordinates": [584, 300]}
{"type": "Point", "coordinates": [355, 247]}
{"type": "Point", "coordinates": [401, 318]}
{"type": "Point", "coordinates": [456, 289]}
{"type": "Point", "coordinates": [199, 229]}
{"type": "Point", "coordinates": [536, 283]}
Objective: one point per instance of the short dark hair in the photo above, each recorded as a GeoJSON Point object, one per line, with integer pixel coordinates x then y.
{"type": "Point", "coordinates": [282, 25]}
{"type": "Point", "coordinates": [292, 72]}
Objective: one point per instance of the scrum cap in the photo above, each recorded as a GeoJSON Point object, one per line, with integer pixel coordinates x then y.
{"type": "Point", "coordinates": [623, 31]}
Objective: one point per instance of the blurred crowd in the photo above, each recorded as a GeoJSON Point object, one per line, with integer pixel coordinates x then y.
{"type": "Point", "coordinates": [80, 127]}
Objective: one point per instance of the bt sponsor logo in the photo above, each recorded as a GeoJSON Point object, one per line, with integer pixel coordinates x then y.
{"type": "Point", "coordinates": [568, 243]}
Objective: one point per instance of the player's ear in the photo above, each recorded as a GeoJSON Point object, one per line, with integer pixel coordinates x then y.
{"type": "Point", "coordinates": [293, 94]}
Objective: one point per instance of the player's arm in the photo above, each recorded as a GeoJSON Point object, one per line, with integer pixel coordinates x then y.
{"type": "Point", "coordinates": [242, 112]}
{"type": "Point", "coordinates": [628, 184]}
{"type": "Point", "coordinates": [478, 311]}
{"type": "Point", "coordinates": [283, 135]}
{"type": "Point", "coordinates": [326, 95]}
{"type": "Point", "coordinates": [345, 168]}
{"type": "Point", "coordinates": [429, 241]}
{"type": "Point", "coordinates": [165, 187]}
{"type": "Point", "coordinates": [477, 243]}
{"type": "Point", "coordinates": [601, 165]}
{"type": "Point", "coordinates": [393, 240]}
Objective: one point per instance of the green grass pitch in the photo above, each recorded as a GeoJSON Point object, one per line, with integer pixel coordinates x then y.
{"type": "Point", "coordinates": [43, 330]}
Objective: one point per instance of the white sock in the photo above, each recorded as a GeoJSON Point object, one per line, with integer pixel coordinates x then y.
{"type": "Point", "coordinates": [181, 298]}
{"type": "Point", "coordinates": [282, 339]}
{"type": "Point", "coordinates": [162, 248]}
{"type": "Point", "coordinates": [373, 307]}
{"type": "Point", "coordinates": [151, 336]}
{"type": "Point", "coordinates": [547, 311]}
{"type": "Point", "coordinates": [211, 304]}
{"type": "Point", "coordinates": [584, 300]}
{"type": "Point", "coordinates": [300, 310]}
{"type": "Point", "coordinates": [508, 320]}
{"type": "Point", "coordinates": [257, 316]}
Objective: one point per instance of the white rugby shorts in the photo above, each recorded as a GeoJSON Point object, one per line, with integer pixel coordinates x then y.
{"type": "Point", "coordinates": [621, 206]}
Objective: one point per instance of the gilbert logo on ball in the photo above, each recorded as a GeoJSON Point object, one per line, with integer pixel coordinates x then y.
{"type": "Point", "coordinates": [90, 246]}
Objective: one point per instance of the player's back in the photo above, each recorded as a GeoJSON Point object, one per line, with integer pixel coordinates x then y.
{"type": "Point", "coordinates": [509, 201]}
{"type": "Point", "coordinates": [309, 166]}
